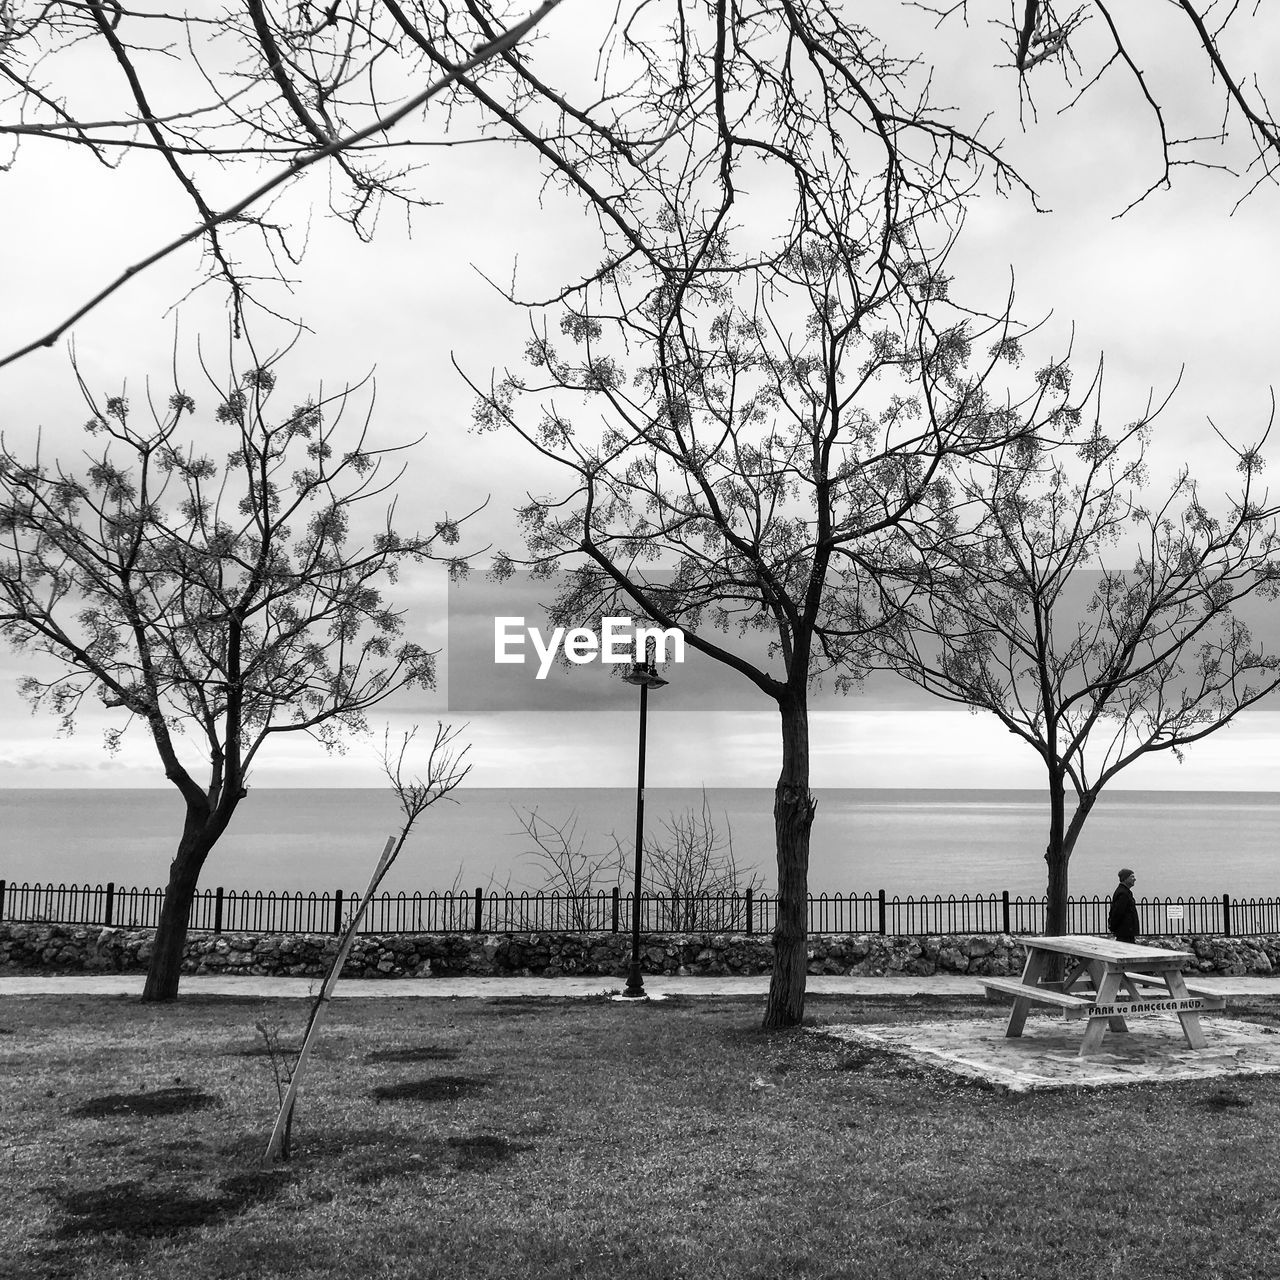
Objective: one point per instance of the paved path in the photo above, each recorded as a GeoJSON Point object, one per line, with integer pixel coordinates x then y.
{"type": "Point", "coordinates": [400, 988]}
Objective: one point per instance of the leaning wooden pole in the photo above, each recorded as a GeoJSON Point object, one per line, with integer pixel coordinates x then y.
{"type": "Point", "coordinates": [275, 1148]}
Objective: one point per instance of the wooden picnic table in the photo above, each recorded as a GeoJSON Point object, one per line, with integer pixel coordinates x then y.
{"type": "Point", "coordinates": [1106, 981]}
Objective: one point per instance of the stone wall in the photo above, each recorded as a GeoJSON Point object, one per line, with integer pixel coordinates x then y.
{"type": "Point", "coordinates": [27, 948]}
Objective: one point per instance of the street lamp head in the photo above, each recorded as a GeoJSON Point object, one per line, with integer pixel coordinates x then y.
{"type": "Point", "coordinates": [644, 674]}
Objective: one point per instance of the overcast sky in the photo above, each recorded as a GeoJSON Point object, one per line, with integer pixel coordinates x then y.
{"type": "Point", "coordinates": [1185, 282]}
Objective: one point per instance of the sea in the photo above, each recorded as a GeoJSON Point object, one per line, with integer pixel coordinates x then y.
{"type": "Point", "coordinates": [907, 842]}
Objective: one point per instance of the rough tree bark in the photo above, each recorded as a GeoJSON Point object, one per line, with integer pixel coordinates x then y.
{"type": "Point", "coordinates": [201, 830]}
{"type": "Point", "coordinates": [793, 811]}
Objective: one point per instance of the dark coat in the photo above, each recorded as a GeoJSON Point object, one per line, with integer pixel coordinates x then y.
{"type": "Point", "coordinates": [1122, 919]}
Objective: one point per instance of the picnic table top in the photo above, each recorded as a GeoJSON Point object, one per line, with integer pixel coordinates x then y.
{"type": "Point", "coordinates": [1087, 947]}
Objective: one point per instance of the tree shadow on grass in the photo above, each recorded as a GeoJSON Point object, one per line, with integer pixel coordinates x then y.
{"type": "Point", "coordinates": [362, 1157]}
{"type": "Point", "coordinates": [144, 1210]}
{"type": "Point", "coordinates": [413, 1053]}
{"type": "Point", "coordinates": [430, 1089]}
{"type": "Point", "coordinates": [154, 1102]}
{"type": "Point", "coordinates": [134, 1209]}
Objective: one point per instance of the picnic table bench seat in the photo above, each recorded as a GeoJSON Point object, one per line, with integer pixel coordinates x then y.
{"type": "Point", "coordinates": [1205, 993]}
{"type": "Point", "coordinates": [1038, 995]}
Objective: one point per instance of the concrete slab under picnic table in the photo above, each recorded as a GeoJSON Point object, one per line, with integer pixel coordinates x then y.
{"type": "Point", "coordinates": [1047, 1054]}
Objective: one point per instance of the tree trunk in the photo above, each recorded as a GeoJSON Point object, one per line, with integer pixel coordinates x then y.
{"type": "Point", "coordinates": [793, 809]}
{"type": "Point", "coordinates": [1062, 842]}
{"type": "Point", "coordinates": [200, 833]}
{"type": "Point", "coordinates": [1056, 856]}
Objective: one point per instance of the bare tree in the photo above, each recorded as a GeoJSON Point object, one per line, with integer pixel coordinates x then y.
{"type": "Point", "coordinates": [763, 427]}
{"type": "Point", "coordinates": [225, 601]}
{"type": "Point", "coordinates": [755, 359]}
{"type": "Point", "coordinates": [567, 865]}
{"type": "Point", "coordinates": [1094, 666]}
{"type": "Point", "coordinates": [692, 866]}
{"type": "Point", "coordinates": [695, 868]}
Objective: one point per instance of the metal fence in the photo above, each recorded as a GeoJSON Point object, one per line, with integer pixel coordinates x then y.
{"type": "Point", "coordinates": [228, 911]}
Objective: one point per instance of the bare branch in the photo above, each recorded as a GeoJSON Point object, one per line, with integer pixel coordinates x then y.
{"type": "Point", "coordinates": [338, 146]}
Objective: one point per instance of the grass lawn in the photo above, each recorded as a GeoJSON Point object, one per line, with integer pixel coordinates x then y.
{"type": "Point", "coordinates": [479, 1139]}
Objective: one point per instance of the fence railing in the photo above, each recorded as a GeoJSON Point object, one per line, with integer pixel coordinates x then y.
{"type": "Point", "coordinates": [231, 911]}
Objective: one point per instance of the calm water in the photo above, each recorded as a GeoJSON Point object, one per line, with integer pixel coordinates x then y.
{"type": "Point", "coordinates": [1180, 843]}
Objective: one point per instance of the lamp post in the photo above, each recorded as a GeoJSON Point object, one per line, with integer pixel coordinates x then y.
{"type": "Point", "coordinates": [645, 675]}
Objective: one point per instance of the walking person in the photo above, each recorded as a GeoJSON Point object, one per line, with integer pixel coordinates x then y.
{"type": "Point", "coordinates": [1122, 919]}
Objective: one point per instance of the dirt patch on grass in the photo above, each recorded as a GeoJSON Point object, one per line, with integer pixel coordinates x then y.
{"type": "Point", "coordinates": [516, 1006]}
{"type": "Point", "coordinates": [111, 1141]}
{"type": "Point", "coordinates": [908, 1004]}
{"type": "Point", "coordinates": [862, 1058]}
{"type": "Point", "coordinates": [530, 1006]}
{"type": "Point", "coordinates": [431, 1089]}
{"type": "Point", "coordinates": [1262, 1011]}
{"type": "Point", "coordinates": [482, 1151]}
{"type": "Point", "coordinates": [413, 1053]}
{"type": "Point", "coordinates": [180, 1156]}
{"type": "Point", "coordinates": [1224, 1100]}
{"type": "Point", "coordinates": [154, 1102]}
{"type": "Point", "coordinates": [255, 1186]}
{"type": "Point", "coordinates": [829, 1008]}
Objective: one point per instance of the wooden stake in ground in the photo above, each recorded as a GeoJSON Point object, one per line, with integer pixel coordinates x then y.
{"type": "Point", "coordinates": [444, 772]}
{"type": "Point", "coordinates": [276, 1147]}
